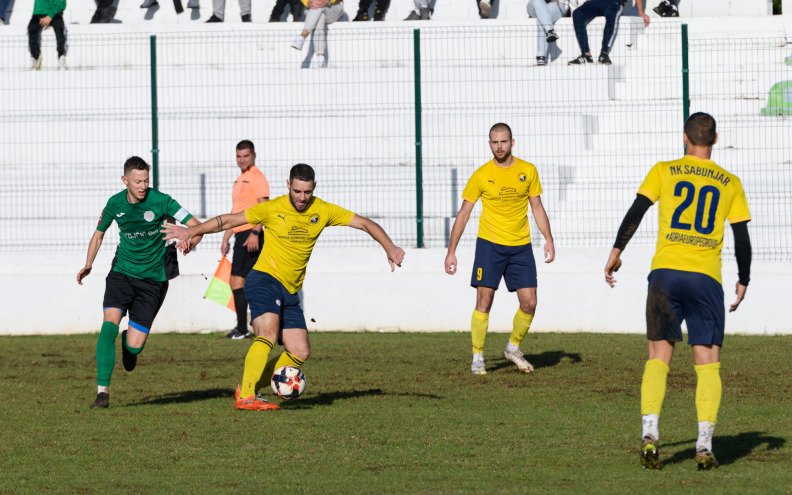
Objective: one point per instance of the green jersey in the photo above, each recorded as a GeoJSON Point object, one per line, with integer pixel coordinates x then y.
{"type": "Point", "coordinates": [141, 251]}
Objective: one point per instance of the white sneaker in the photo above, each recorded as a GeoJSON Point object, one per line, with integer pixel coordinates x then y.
{"type": "Point", "coordinates": [512, 353]}
{"type": "Point", "coordinates": [477, 368]}
{"type": "Point", "coordinates": [484, 5]}
{"type": "Point", "coordinates": [298, 42]}
{"type": "Point", "coordinates": [320, 62]}
{"type": "Point", "coordinates": [35, 63]}
{"type": "Point", "coordinates": [62, 62]}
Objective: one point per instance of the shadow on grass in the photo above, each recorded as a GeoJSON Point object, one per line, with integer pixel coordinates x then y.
{"type": "Point", "coordinates": [546, 359]}
{"type": "Point", "coordinates": [728, 449]}
{"type": "Point", "coordinates": [328, 398]}
{"type": "Point", "coordinates": [186, 396]}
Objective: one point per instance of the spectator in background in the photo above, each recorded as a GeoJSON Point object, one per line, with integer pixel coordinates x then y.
{"type": "Point", "coordinates": [47, 13]}
{"type": "Point", "coordinates": [379, 12]}
{"type": "Point", "coordinates": [422, 12]}
{"type": "Point", "coordinates": [295, 6]}
{"type": "Point", "coordinates": [667, 8]}
{"type": "Point", "coordinates": [250, 189]}
{"type": "Point", "coordinates": [320, 14]}
{"type": "Point", "coordinates": [612, 10]}
{"type": "Point", "coordinates": [3, 8]}
{"type": "Point", "coordinates": [104, 12]}
{"type": "Point", "coordinates": [484, 8]}
{"type": "Point", "coordinates": [218, 10]}
{"type": "Point", "coordinates": [547, 13]}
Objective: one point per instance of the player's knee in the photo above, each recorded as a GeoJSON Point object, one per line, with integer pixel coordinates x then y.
{"type": "Point", "coordinates": [528, 306]}
{"type": "Point", "coordinates": [302, 354]}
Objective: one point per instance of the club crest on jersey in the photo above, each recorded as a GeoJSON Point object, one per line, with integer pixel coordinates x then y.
{"type": "Point", "coordinates": [148, 216]}
{"type": "Point", "coordinates": [314, 218]}
{"type": "Point", "coordinates": [522, 177]}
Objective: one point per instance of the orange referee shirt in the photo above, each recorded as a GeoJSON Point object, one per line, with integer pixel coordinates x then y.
{"type": "Point", "coordinates": [248, 187]}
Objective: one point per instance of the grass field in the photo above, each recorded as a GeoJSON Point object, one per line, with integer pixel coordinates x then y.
{"type": "Point", "coordinates": [387, 413]}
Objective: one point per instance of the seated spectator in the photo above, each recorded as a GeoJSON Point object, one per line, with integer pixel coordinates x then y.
{"type": "Point", "coordinates": [320, 14]}
{"type": "Point", "coordinates": [47, 13]}
{"type": "Point", "coordinates": [667, 8]}
{"type": "Point", "coordinates": [547, 13]}
{"type": "Point", "coordinates": [612, 10]}
{"type": "Point", "coordinates": [3, 8]}
{"type": "Point", "coordinates": [296, 8]}
{"type": "Point", "coordinates": [379, 13]}
{"type": "Point", "coordinates": [484, 8]}
{"type": "Point", "coordinates": [104, 12]}
{"type": "Point", "coordinates": [218, 10]}
{"type": "Point", "coordinates": [422, 12]}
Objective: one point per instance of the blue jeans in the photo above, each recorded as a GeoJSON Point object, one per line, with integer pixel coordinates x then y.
{"type": "Point", "coordinates": [583, 15]}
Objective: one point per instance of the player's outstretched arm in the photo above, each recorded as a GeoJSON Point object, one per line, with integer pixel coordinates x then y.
{"type": "Point", "coordinates": [456, 234]}
{"type": "Point", "coordinates": [612, 266]}
{"type": "Point", "coordinates": [193, 240]}
{"type": "Point", "coordinates": [93, 248]}
{"type": "Point", "coordinates": [540, 215]}
{"type": "Point", "coordinates": [213, 225]}
{"type": "Point", "coordinates": [394, 252]}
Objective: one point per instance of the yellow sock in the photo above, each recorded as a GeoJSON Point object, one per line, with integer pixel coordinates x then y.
{"type": "Point", "coordinates": [653, 386]}
{"type": "Point", "coordinates": [708, 391]}
{"type": "Point", "coordinates": [285, 358]}
{"type": "Point", "coordinates": [255, 362]}
{"type": "Point", "coordinates": [478, 330]}
{"type": "Point", "coordinates": [522, 323]}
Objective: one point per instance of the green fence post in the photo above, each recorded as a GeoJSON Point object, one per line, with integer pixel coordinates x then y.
{"type": "Point", "coordinates": [154, 131]}
{"type": "Point", "coordinates": [685, 77]}
{"type": "Point", "coordinates": [418, 165]}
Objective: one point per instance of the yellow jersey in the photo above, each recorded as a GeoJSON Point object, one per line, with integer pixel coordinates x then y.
{"type": "Point", "coordinates": [290, 236]}
{"type": "Point", "coordinates": [696, 198]}
{"type": "Point", "coordinates": [504, 193]}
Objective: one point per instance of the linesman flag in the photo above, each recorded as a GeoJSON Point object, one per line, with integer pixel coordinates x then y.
{"type": "Point", "coordinates": [219, 289]}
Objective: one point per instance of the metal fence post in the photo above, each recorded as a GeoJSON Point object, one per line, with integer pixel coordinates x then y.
{"type": "Point", "coordinates": [418, 144]}
{"type": "Point", "coordinates": [154, 131]}
{"type": "Point", "coordinates": [685, 77]}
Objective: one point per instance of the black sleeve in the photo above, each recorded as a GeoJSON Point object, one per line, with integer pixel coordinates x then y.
{"type": "Point", "coordinates": [631, 220]}
{"type": "Point", "coordinates": [742, 250]}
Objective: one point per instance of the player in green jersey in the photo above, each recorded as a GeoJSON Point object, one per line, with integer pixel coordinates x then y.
{"type": "Point", "coordinates": [137, 281]}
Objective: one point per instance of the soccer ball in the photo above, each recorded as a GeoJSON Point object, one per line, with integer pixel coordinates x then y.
{"type": "Point", "coordinates": [288, 382]}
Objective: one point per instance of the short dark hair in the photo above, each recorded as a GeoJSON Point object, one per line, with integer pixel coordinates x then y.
{"type": "Point", "coordinates": [700, 129]}
{"type": "Point", "coordinates": [301, 171]}
{"type": "Point", "coordinates": [500, 126]}
{"type": "Point", "coordinates": [246, 144]}
{"type": "Point", "coordinates": [135, 163]}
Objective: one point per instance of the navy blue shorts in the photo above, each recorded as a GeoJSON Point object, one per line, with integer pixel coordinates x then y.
{"type": "Point", "coordinates": [265, 294]}
{"type": "Point", "coordinates": [142, 298]}
{"type": "Point", "coordinates": [675, 295]}
{"type": "Point", "coordinates": [515, 264]}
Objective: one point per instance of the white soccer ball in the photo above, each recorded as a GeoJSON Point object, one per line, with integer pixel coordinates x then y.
{"type": "Point", "coordinates": [288, 382]}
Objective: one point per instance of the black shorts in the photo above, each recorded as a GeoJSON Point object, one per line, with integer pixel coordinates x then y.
{"type": "Point", "coordinates": [515, 264]}
{"type": "Point", "coordinates": [142, 298]}
{"type": "Point", "coordinates": [244, 260]}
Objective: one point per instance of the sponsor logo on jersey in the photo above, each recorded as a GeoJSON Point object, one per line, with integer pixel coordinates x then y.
{"type": "Point", "coordinates": [282, 217]}
{"type": "Point", "coordinates": [119, 215]}
{"type": "Point", "coordinates": [314, 218]}
{"type": "Point", "coordinates": [298, 231]}
{"type": "Point", "coordinates": [508, 190]}
{"type": "Point", "coordinates": [148, 216]}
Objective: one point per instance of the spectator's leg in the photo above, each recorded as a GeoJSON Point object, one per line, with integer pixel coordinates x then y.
{"type": "Point", "coordinates": [244, 7]}
{"type": "Point", "coordinates": [330, 14]}
{"type": "Point", "coordinates": [363, 8]}
{"type": "Point", "coordinates": [277, 10]}
{"type": "Point", "coordinates": [538, 10]}
{"type": "Point", "coordinates": [297, 10]}
{"type": "Point", "coordinates": [581, 18]}
{"type": "Point", "coordinates": [612, 14]}
{"type": "Point", "coordinates": [312, 19]}
{"type": "Point", "coordinates": [382, 9]}
{"type": "Point", "coordinates": [218, 8]}
{"type": "Point", "coordinates": [60, 33]}
{"type": "Point", "coordinates": [34, 36]}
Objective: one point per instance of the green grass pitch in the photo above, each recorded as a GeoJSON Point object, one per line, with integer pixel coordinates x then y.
{"type": "Point", "coordinates": [387, 413]}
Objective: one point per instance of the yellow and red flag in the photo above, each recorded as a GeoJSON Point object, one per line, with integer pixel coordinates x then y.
{"type": "Point", "coordinates": [219, 289]}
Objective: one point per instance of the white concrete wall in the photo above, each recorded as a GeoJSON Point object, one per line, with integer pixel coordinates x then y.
{"type": "Point", "coordinates": [353, 289]}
